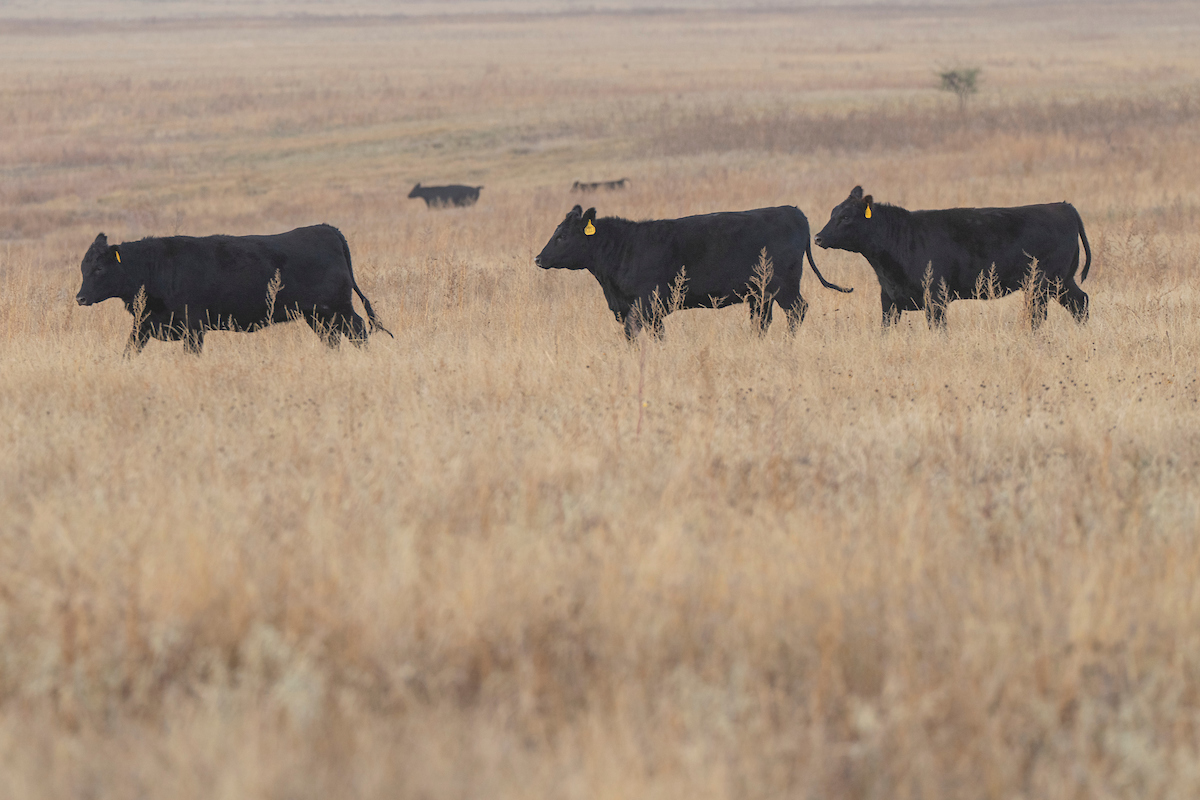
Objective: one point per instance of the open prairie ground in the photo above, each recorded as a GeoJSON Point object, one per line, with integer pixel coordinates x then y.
{"type": "Point", "coordinates": [508, 555]}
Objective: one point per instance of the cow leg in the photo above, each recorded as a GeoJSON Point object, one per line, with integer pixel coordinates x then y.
{"type": "Point", "coordinates": [1037, 296]}
{"type": "Point", "coordinates": [353, 327]}
{"type": "Point", "coordinates": [1075, 300]}
{"type": "Point", "coordinates": [324, 327]}
{"type": "Point", "coordinates": [1038, 291]}
{"type": "Point", "coordinates": [796, 313]}
{"type": "Point", "coordinates": [653, 319]}
{"type": "Point", "coordinates": [633, 325]}
{"type": "Point", "coordinates": [793, 305]}
{"type": "Point", "coordinates": [639, 316]}
{"type": "Point", "coordinates": [760, 313]}
{"type": "Point", "coordinates": [891, 311]}
{"type": "Point", "coordinates": [193, 341]}
{"type": "Point", "coordinates": [137, 340]}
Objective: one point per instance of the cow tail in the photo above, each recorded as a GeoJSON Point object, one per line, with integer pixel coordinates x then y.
{"type": "Point", "coordinates": [354, 284]}
{"type": "Point", "coordinates": [817, 272]}
{"type": "Point", "coordinates": [1087, 248]}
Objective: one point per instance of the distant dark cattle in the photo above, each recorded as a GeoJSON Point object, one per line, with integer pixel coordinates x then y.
{"type": "Point", "coordinates": [636, 263]}
{"type": "Point", "coordinates": [234, 283]}
{"type": "Point", "coordinates": [591, 187]}
{"type": "Point", "coordinates": [925, 259]}
{"type": "Point", "coordinates": [441, 196]}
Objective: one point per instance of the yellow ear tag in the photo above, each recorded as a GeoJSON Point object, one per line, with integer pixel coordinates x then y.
{"type": "Point", "coordinates": [589, 229]}
{"type": "Point", "coordinates": [117, 253]}
{"type": "Point", "coordinates": [868, 212]}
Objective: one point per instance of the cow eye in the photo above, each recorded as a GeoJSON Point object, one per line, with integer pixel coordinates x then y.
{"type": "Point", "coordinates": [99, 270]}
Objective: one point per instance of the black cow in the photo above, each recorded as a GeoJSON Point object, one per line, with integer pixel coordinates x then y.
{"type": "Point", "coordinates": [591, 187]}
{"type": "Point", "coordinates": [442, 196]}
{"type": "Point", "coordinates": [637, 263]}
{"type": "Point", "coordinates": [925, 259]}
{"type": "Point", "coordinates": [236, 283]}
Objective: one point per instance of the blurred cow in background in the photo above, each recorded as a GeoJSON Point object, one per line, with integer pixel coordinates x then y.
{"type": "Point", "coordinates": [442, 196]}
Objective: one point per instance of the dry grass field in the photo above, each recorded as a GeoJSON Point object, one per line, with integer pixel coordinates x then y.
{"type": "Point", "coordinates": [508, 555]}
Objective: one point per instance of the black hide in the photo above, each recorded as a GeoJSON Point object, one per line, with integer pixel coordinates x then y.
{"type": "Point", "coordinates": [958, 247]}
{"type": "Point", "coordinates": [193, 285]}
{"type": "Point", "coordinates": [718, 252]}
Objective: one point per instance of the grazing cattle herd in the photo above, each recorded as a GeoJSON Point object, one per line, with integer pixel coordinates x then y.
{"type": "Point", "coordinates": [178, 287]}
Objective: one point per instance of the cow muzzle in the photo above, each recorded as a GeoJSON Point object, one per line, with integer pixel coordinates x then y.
{"type": "Point", "coordinates": [81, 300]}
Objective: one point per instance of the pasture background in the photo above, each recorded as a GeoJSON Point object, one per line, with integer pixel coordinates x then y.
{"type": "Point", "coordinates": [508, 555]}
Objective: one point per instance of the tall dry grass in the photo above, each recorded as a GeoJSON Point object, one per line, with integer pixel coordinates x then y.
{"type": "Point", "coordinates": [506, 554]}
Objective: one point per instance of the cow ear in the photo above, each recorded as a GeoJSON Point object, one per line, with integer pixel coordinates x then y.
{"type": "Point", "coordinates": [869, 200]}
{"type": "Point", "coordinates": [856, 192]}
{"type": "Point", "coordinates": [101, 241]}
{"type": "Point", "coordinates": [590, 214]}
{"type": "Point", "coordinates": [575, 212]}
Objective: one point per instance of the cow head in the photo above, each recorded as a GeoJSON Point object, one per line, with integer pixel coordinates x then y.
{"type": "Point", "coordinates": [415, 190]}
{"type": "Point", "coordinates": [572, 245]}
{"type": "Point", "coordinates": [849, 226]}
{"type": "Point", "coordinates": [104, 275]}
